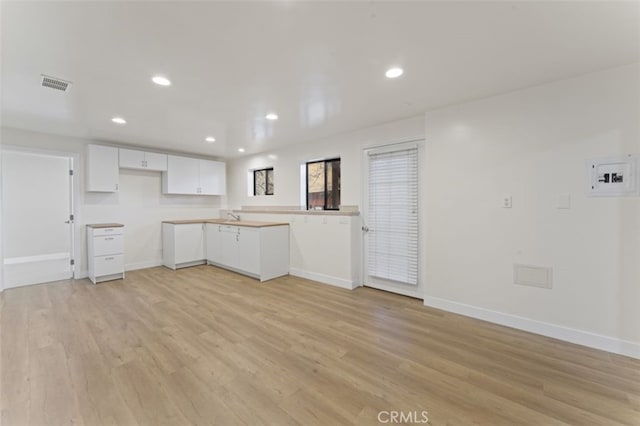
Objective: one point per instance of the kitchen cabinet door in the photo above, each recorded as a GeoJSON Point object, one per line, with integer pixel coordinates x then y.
{"type": "Point", "coordinates": [212, 177]}
{"type": "Point", "coordinates": [156, 162]}
{"type": "Point", "coordinates": [213, 243]}
{"type": "Point", "coordinates": [229, 241]}
{"type": "Point", "coordinates": [141, 160]}
{"type": "Point", "coordinates": [182, 176]}
{"type": "Point", "coordinates": [102, 168]}
{"type": "Point", "coordinates": [131, 158]}
{"type": "Point", "coordinates": [189, 243]}
{"type": "Point", "coordinates": [249, 250]}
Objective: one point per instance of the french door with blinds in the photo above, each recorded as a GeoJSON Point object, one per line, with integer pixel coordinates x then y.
{"type": "Point", "coordinates": [390, 219]}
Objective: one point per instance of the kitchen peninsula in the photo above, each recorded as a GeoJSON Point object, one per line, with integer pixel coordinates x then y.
{"type": "Point", "coordinates": [254, 248]}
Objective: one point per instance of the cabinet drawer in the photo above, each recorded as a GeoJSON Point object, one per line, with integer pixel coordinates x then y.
{"type": "Point", "coordinates": [109, 244]}
{"type": "Point", "coordinates": [108, 265]}
{"type": "Point", "coordinates": [107, 231]}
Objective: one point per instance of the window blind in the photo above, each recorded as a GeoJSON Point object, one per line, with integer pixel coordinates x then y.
{"type": "Point", "coordinates": [393, 216]}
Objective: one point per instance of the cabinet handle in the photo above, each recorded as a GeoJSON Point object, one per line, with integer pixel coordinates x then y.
{"type": "Point", "coordinates": [116, 186]}
{"type": "Point", "coordinates": [108, 258]}
{"type": "Point", "coordinates": [108, 239]}
{"type": "Point", "coordinates": [108, 230]}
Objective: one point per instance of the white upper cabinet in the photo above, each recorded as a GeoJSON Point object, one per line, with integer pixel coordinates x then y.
{"type": "Point", "coordinates": [213, 177]}
{"type": "Point", "coordinates": [141, 160]}
{"type": "Point", "coordinates": [182, 176]}
{"type": "Point", "coordinates": [193, 176]}
{"type": "Point", "coordinates": [155, 161]}
{"type": "Point", "coordinates": [102, 168]}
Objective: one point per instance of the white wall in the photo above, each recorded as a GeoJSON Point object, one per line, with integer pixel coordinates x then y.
{"type": "Point", "coordinates": [139, 204]}
{"type": "Point", "coordinates": [286, 163]}
{"type": "Point", "coordinates": [532, 144]}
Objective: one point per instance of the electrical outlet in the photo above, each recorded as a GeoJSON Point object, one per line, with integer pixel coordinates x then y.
{"type": "Point", "coordinates": [506, 201]}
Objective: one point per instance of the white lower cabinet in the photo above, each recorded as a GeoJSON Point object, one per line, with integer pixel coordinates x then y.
{"type": "Point", "coordinates": [105, 252]}
{"type": "Point", "coordinates": [260, 252]}
{"type": "Point", "coordinates": [228, 241]}
{"type": "Point", "coordinates": [182, 244]}
{"type": "Point", "coordinates": [249, 259]}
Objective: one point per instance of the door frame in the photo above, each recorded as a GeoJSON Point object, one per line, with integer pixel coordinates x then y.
{"type": "Point", "coordinates": [74, 196]}
{"type": "Point", "coordinates": [420, 143]}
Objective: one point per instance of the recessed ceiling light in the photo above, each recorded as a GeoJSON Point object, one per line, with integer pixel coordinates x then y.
{"type": "Point", "coordinates": [240, 149]}
{"type": "Point", "coordinates": [271, 116]}
{"type": "Point", "coordinates": [161, 81]}
{"type": "Point", "coordinates": [119, 120]}
{"type": "Point", "coordinates": [210, 139]}
{"type": "Point", "coordinates": [394, 72]}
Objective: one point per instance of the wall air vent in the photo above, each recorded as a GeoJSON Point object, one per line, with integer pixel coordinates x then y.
{"type": "Point", "coordinates": [54, 83]}
{"type": "Point", "coordinates": [535, 276]}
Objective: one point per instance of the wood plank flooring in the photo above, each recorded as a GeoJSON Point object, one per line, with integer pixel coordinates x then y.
{"type": "Point", "coordinates": [205, 346]}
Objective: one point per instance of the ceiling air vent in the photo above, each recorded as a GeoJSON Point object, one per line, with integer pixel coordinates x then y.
{"type": "Point", "coordinates": [54, 83]}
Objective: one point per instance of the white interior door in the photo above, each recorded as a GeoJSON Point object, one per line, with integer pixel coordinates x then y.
{"type": "Point", "coordinates": [390, 219]}
{"type": "Point", "coordinates": [36, 218]}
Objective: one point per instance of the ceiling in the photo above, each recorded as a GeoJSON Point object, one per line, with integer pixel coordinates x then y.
{"type": "Point", "coordinates": [319, 65]}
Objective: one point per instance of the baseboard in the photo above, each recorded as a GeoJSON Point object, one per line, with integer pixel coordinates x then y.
{"type": "Point", "coordinates": [322, 278]}
{"type": "Point", "coordinates": [584, 338]}
{"type": "Point", "coordinates": [143, 265]}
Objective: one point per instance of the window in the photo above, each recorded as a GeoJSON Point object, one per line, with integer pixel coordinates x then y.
{"type": "Point", "coordinates": [323, 184]}
{"type": "Point", "coordinates": [263, 182]}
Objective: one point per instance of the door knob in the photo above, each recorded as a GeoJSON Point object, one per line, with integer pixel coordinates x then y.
{"type": "Point", "coordinates": [365, 228]}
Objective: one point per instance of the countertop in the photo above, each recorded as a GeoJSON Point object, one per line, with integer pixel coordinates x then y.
{"type": "Point", "coordinates": [302, 212]}
{"type": "Point", "coordinates": [105, 225]}
{"type": "Point", "coordinates": [248, 223]}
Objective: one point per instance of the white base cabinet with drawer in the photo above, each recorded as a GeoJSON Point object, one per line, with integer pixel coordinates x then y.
{"type": "Point", "coordinates": [105, 251]}
{"type": "Point", "coordinates": [182, 245]}
{"type": "Point", "coordinates": [260, 252]}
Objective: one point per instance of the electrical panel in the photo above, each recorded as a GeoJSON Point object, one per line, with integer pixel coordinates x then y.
{"type": "Point", "coordinates": [613, 177]}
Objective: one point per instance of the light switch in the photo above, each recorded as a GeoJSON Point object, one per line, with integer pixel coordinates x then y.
{"type": "Point", "coordinates": [506, 201]}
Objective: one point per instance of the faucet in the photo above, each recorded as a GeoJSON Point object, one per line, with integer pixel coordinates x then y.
{"type": "Point", "coordinates": [234, 216]}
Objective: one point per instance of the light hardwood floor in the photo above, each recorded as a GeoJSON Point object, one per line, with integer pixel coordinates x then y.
{"type": "Point", "coordinates": [206, 346]}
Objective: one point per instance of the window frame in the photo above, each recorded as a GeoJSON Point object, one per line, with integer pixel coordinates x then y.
{"type": "Point", "coordinates": [325, 163]}
{"type": "Point", "coordinates": [266, 181]}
